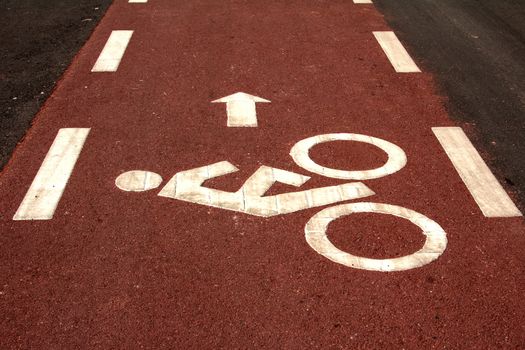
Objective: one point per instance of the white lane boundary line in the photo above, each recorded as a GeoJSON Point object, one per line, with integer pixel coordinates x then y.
{"type": "Point", "coordinates": [396, 53]}
{"type": "Point", "coordinates": [137, 1]}
{"type": "Point", "coordinates": [362, 1]}
{"type": "Point", "coordinates": [113, 51]}
{"type": "Point", "coordinates": [42, 198]}
{"type": "Point", "coordinates": [482, 184]}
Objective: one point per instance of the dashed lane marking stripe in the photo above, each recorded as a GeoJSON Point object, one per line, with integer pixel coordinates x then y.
{"type": "Point", "coordinates": [362, 1]}
{"type": "Point", "coordinates": [396, 53]}
{"type": "Point", "coordinates": [138, 1]}
{"type": "Point", "coordinates": [113, 51]}
{"type": "Point", "coordinates": [482, 184]}
{"type": "Point", "coordinates": [49, 183]}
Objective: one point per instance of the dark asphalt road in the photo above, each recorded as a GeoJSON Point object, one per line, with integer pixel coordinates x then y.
{"type": "Point", "coordinates": [476, 50]}
{"type": "Point", "coordinates": [38, 39]}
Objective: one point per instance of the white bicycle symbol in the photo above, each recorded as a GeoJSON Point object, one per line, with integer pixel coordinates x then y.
{"type": "Point", "coordinates": [188, 186]}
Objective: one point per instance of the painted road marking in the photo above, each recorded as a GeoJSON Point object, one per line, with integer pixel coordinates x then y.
{"type": "Point", "coordinates": [396, 53]}
{"type": "Point", "coordinates": [188, 186]}
{"type": "Point", "coordinates": [113, 51]}
{"type": "Point", "coordinates": [138, 1]}
{"type": "Point", "coordinates": [435, 243]}
{"type": "Point", "coordinates": [482, 184]}
{"type": "Point", "coordinates": [240, 109]}
{"type": "Point", "coordinates": [49, 183]}
{"type": "Point", "coordinates": [138, 181]}
{"type": "Point", "coordinates": [362, 1]}
{"type": "Point", "coordinates": [396, 157]}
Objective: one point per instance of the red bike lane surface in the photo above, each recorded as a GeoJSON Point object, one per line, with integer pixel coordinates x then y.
{"type": "Point", "coordinates": [116, 269]}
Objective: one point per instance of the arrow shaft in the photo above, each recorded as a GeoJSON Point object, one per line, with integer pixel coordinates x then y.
{"type": "Point", "coordinates": [241, 114]}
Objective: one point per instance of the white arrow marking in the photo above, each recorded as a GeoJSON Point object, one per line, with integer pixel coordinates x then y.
{"type": "Point", "coordinates": [240, 108]}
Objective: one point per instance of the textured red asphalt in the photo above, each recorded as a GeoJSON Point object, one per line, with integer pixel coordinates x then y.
{"type": "Point", "coordinates": [133, 270]}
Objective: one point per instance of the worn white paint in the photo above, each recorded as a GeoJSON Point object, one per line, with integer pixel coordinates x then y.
{"type": "Point", "coordinates": [111, 55]}
{"type": "Point", "coordinates": [396, 157]}
{"type": "Point", "coordinates": [187, 186]}
{"type": "Point", "coordinates": [138, 181]}
{"type": "Point", "coordinates": [42, 198]}
{"type": "Point", "coordinates": [435, 243]}
{"type": "Point", "coordinates": [396, 53]}
{"type": "Point", "coordinates": [138, 1]}
{"type": "Point", "coordinates": [240, 109]}
{"type": "Point", "coordinates": [482, 184]}
{"type": "Point", "coordinates": [362, 1]}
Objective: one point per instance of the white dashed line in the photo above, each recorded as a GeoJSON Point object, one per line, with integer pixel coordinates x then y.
{"type": "Point", "coordinates": [362, 1]}
{"type": "Point", "coordinates": [396, 53]}
{"type": "Point", "coordinates": [138, 1]}
{"type": "Point", "coordinates": [482, 184]}
{"type": "Point", "coordinates": [49, 183]}
{"type": "Point", "coordinates": [111, 55]}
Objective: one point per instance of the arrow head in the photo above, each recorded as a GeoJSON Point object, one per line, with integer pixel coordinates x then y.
{"type": "Point", "coordinates": [240, 96]}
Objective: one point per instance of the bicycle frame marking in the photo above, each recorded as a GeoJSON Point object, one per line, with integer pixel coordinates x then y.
{"type": "Point", "coordinates": [250, 199]}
